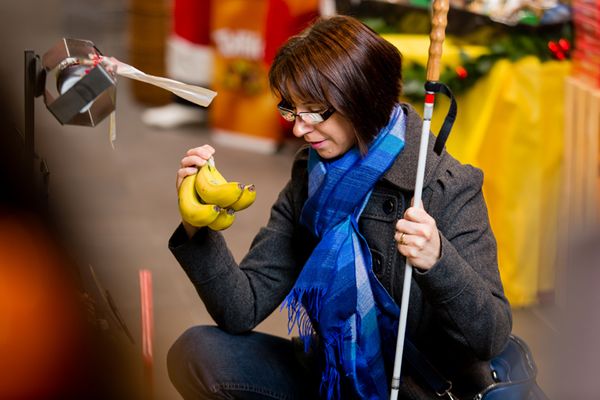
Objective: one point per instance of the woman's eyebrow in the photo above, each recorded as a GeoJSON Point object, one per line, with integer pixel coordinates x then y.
{"type": "Point", "coordinates": [311, 105]}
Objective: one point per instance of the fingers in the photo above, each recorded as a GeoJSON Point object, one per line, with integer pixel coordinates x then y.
{"type": "Point", "coordinates": [194, 158]}
{"type": "Point", "coordinates": [204, 152]}
{"type": "Point", "coordinates": [416, 222]}
{"type": "Point", "coordinates": [415, 242]}
{"type": "Point", "coordinates": [417, 214]}
{"type": "Point", "coordinates": [182, 173]}
{"type": "Point", "coordinates": [193, 161]}
{"type": "Point", "coordinates": [417, 238]}
{"type": "Point", "coordinates": [197, 156]}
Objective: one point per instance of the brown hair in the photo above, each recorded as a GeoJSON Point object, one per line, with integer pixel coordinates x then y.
{"type": "Point", "coordinates": [339, 62]}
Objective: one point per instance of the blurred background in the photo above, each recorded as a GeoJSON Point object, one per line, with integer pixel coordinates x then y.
{"type": "Point", "coordinates": [77, 229]}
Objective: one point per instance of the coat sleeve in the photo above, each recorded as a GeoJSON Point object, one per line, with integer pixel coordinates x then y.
{"type": "Point", "coordinates": [464, 286]}
{"type": "Point", "coordinates": [239, 297]}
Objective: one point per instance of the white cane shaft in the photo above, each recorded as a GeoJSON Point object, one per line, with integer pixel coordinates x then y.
{"type": "Point", "coordinates": [401, 331]}
{"type": "Point", "coordinates": [422, 156]}
{"type": "Point", "coordinates": [408, 270]}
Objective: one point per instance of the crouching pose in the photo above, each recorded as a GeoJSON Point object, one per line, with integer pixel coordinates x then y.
{"type": "Point", "coordinates": [335, 247]}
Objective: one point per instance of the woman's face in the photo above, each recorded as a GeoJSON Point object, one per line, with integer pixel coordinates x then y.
{"type": "Point", "coordinates": [330, 138]}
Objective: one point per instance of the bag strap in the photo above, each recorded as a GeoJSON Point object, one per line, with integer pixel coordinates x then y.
{"type": "Point", "coordinates": [427, 371]}
{"type": "Point", "coordinates": [439, 87]}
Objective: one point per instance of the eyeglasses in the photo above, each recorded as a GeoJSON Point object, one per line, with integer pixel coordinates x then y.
{"type": "Point", "coordinates": [309, 117]}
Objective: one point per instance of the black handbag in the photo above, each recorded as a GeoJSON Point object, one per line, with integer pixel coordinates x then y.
{"type": "Point", "coordinates": [513, 372]}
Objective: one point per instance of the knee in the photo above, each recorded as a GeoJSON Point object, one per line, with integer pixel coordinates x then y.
{"type": "Point", "coordinates": [185, 360]}
{"type": "Point", "coordinates": [183, 348]}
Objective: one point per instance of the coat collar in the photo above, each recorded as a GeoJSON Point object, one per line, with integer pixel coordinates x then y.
{"type": "Point", "coordinates": [403, 171]}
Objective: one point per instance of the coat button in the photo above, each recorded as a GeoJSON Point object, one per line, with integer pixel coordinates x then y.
{"type": "Point", "coordinates": [388, 206]}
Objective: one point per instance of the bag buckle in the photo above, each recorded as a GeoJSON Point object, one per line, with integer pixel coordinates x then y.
{"type": "Point", "coordinates": [447, 393]}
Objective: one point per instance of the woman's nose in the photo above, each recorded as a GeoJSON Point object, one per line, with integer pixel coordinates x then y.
{"type": "Point", "coordinates": [301, 128]}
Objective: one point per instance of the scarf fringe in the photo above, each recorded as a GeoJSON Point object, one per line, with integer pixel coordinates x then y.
{"type": "Point", "coordinates": [301, 305]}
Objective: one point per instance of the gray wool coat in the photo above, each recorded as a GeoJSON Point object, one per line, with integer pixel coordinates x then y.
{"type": "Point", "coordinates": [458, 313]}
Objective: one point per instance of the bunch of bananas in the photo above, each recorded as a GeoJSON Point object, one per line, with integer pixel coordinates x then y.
{"type": "Point", "coordinates": [207, 199]}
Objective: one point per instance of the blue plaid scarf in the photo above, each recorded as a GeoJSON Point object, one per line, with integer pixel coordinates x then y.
{"type": "Point", "coordinates": [337, 293]}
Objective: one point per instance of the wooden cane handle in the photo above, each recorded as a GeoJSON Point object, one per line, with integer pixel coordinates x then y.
{"type": "Point", "coordinates": [439, 20]}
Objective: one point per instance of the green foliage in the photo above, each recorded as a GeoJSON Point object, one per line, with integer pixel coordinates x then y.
{"type": "Point", "coordinates": [503, 42]}
{"type": "Point", "coordinates": [509, 46]}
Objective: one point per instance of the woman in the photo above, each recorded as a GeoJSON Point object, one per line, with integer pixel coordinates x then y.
{"type": "Point", "coordinates": [335, 247]}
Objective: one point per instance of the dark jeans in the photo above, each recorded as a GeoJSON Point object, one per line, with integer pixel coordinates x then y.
{"type": "Point", "coordinates": [208, 363]}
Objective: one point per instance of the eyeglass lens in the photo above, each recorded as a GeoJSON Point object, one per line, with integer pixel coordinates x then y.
{"type": "Point", "coordinates": [308, 117]}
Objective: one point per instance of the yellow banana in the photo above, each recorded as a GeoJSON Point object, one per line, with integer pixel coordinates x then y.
{"type": "Point", "coordinates": [213, 189]}
{"type": "Point", "coordinates": [191, 209]}
{"type": "Point", "coordinates": [224, 220]}
{"type": "Point", "coordinates": [217, 175]}
{"type": "Point", "coordinates": [246, 199]}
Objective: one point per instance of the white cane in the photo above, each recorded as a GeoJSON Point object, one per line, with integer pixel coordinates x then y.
{"type": "Point", "coordinates": [436, 38]}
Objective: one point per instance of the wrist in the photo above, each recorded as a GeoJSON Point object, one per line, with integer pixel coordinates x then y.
{"type": "Point", "coordinates": [190, 230]}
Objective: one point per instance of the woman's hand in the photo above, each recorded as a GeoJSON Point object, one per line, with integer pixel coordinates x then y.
{"type": "Point", "coordinates": [418, 238]}
{"type": "Point", "coordinates": [193, 159]}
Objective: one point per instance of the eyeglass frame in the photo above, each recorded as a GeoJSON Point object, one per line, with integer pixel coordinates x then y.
{"type": "Point", "coordinates": [318, 117]}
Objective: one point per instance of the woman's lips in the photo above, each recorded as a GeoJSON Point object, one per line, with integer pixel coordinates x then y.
{"type": "Point", "coordinates": [316, 145]}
